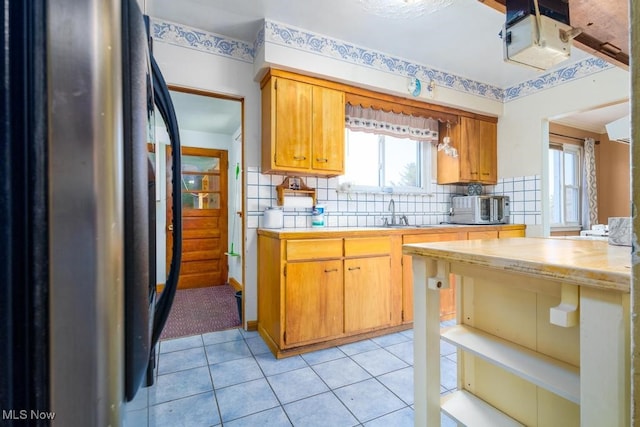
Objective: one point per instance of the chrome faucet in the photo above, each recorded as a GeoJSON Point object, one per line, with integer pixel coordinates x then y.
{"type": "Point", "coordinates": [392, 208]}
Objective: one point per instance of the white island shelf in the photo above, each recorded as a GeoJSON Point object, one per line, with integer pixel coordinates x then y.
{"type": "Point", "coordinates": [542, 332]}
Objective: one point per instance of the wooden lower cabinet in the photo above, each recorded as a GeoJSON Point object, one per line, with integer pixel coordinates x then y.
{"type": "Point", "coordinates": [314, 293]}
{"type": "Point", "coordinates": [367, 293]}
{"type": "Point", "coordinates": [447, 297]}
{"type": "Point", "coordinates": [314, 302]}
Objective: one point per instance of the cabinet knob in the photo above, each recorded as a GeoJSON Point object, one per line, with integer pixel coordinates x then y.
{"type": "Point", "coordinates": [354, 268]}
{"type": "Point", "coordinates": [299, 158]}
{"type": "Point", "coordinates": [331, 270]}
{"type": "Point", "coordinates": [322, 160]}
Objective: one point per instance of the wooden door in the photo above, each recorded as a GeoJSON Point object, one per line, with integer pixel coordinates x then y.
{"type": "Point", "coordinates": [314, 301]}
{"type": "Point", "coordinates": [204, 217]}
{"type": "Point", "coordinates": [328, 130]}
{"type": "Point", "coordinates": [293, 124]}
{"type": "Point", "coordinates": [488, 156]}
{"type": "Point", "coordinates": [367, 293]}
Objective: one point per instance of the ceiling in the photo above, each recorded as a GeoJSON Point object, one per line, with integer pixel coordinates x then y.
{"type": "Point", "coordinates": [461, 38]}
{"type": "Point", "coordinates": [206, 113]}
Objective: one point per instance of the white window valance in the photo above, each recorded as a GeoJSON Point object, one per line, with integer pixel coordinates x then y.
{"type": "Point", "coordinates": [392, 124]}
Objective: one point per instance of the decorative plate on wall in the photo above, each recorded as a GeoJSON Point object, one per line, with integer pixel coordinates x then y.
{"type": "Point", "coordinates": [414, 86]}
{"type": "Point", "coordinates": [474, 189]}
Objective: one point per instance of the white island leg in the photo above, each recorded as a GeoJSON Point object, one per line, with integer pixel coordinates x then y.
{"type": "Point", "coordinates": [426, 345]}
{"type": "Point", "coordinates": [604, 358]}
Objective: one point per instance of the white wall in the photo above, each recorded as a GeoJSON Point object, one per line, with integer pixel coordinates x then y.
{"type": "Point", "coordinates": [199, 70]}
{"type": "Point", "coordinates": [333, 69]}
{"type": "Point", "coordinates": [523, 135]}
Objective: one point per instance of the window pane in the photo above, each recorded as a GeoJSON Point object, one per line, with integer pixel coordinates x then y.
{"type": "Point", "coordinates": [572, 205]}
{"type": "Point", "coordinates": [570, 168]}
{"type": "Point", "coordinates": [201, 200]}
{"type": "Point", "coordinates": [200, 164]}
{"type": "Point", "coordinates": [555, 186]}
{"type": "Point", "coordinates": [401, 162]}
{"type": "Point", "coordinates": [363, 159]}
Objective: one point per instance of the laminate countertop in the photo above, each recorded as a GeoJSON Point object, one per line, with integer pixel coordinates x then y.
{"type": "Point", "coordinates": [583, 262]}
{"type": "Point", "coordinates": [335, 232]}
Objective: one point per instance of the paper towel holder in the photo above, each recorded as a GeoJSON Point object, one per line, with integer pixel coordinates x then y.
{"type": "Point", "coordinates": [296, 186]}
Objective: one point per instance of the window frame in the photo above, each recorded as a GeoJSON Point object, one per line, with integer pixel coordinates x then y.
{"type": "Point", "coordinates": [424, 158]}
{"type": "Point", "coordinates": [577, 150]}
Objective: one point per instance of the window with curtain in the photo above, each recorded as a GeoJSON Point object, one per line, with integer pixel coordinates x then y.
{"type": "Point", "coordinates": [565, 184]}
{"type": "Point", "coordinates": [388, 151]}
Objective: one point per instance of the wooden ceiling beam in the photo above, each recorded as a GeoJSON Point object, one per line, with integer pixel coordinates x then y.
{"type": "Point", "coordinates": [584, 41]}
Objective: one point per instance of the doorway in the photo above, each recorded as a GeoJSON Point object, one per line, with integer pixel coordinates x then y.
{"type": "Point", "coordinates": [204, 218]}
{"type": "Point", "coordinates": [212, 146]}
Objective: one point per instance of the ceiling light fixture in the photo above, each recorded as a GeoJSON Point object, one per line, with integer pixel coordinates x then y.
{"type": "Point", "coordinates": [403, 8]}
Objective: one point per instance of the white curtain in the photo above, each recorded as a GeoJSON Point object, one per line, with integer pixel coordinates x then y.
{"type": "Point", "coordinates": [589, 189]}
{"type": "Point", "coordinates": [393, 124]}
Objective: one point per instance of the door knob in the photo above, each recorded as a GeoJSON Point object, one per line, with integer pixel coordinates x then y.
{"type": "Point", "coordinates": [170, 227]}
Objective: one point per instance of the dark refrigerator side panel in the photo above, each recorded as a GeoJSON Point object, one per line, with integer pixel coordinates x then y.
{"type": "Point", "coordinates": [24, 373]}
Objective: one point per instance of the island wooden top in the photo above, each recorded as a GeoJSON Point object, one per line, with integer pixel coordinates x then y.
{"type": "Point", "coordinates": [582, 262]}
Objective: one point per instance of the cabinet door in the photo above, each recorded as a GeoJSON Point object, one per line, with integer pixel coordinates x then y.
{"type": "Point", "coordinates": [469, 152]}
{"type": "Point", "coordinates": [313, 301]}
{"type": "Point", "coordinates": [367, 293]}
{"type": "Point", "coordinates": [488, 157]}
{"type": "Point", "coordinates": [328, 130]}
{"type": "Point", "coordinates": [447, 296]}
{"type": "Point", "coordinates": [293, 124]}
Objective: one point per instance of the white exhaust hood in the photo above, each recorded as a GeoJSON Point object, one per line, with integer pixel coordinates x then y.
{"type": "Point", "coordinates": [620, 130]}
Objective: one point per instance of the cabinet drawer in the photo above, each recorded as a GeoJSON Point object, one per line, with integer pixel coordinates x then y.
{"type": "Point", "coordinates": [313, 249]}
{"type": "Point", "coordinates": [436, 237]}
{"type": "Point", "coordinates": [473, 235]}
{"type": "Point", "coordinates": [367, 246]}
{"type": "Point", "coordinates": [511, 233]}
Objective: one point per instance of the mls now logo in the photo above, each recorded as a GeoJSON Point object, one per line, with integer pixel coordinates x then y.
{"type": "Point", "coordinates": [23, 414]}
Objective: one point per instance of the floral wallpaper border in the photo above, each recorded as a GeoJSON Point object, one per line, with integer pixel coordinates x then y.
{"type": "Point", "coordinates": [182, 35]}
{"type": "Point", "coordinates": [300, 39]}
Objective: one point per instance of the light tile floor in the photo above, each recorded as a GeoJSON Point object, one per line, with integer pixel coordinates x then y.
{"type": "Point", "coordinates": [230, 378]}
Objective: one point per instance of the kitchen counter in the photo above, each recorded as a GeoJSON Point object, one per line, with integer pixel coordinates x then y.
{"type": "Point", "coordinates": [542, 331]}
{"type": "Point", "coordinates": [320, 232]}
{"type": "Point", "coordinates": [584, 262]}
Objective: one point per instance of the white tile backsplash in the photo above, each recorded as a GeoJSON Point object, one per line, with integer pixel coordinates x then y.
{"type": "Point", "coordinates": [367, 209]}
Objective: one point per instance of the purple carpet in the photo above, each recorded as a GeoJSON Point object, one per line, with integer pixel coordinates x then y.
{"type": "Point", "coordinates": [202, 310]}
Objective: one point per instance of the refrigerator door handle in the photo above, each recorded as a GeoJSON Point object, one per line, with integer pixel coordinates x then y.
{"type": "Point", "coordinates": [162, 100]}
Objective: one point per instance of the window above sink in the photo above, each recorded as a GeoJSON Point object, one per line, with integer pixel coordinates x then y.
{"type": "Point", "coordinates": [383, 163]}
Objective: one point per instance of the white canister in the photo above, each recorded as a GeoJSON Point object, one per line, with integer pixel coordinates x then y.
{"type": "Point", "coordinates": [273, 218]}
{"type": "Point", "coordinates": [317, 216]}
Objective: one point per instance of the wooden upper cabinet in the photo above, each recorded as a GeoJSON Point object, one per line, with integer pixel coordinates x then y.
{"type": "Point", "coordinates": [293, 124]}
{"type": "Point", "coordinates": [302, 128]}
{"type": "Point", "coordinates": [476, 142]}
{"type": "Point", "coordinates": [327, 134]}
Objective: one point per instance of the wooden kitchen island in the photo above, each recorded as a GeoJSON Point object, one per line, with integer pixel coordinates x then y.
{"type": "Point", "coordinates": [542, 332]}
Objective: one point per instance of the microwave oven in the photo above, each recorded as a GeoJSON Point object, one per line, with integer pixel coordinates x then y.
{"type": "Point", "coordinates": [479, 210]}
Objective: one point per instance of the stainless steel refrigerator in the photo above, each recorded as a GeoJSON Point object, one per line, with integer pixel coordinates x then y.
{"type": "Point", "coordinates": [79, 314]}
